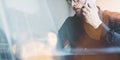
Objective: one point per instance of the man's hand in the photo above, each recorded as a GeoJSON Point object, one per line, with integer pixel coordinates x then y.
{"type": "Point", "coordinates": [90, 11]}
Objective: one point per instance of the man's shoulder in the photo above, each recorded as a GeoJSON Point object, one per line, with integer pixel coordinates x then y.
{"type": "Point", "coordinates": [70, 18]}
{"type": "Point", "coordinates": [67, 22]}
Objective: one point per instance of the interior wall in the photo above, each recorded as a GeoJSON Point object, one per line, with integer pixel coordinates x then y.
{"type": "Point", "coordinates": [59, 10]}
{"type": "Point", "coordinates": [111, 5]}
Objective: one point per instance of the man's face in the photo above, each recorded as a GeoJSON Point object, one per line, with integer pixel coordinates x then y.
{"type": "Point", "coordinates": [77, 5]}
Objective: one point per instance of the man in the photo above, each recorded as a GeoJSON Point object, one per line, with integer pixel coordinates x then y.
{"type": "Point", "coordinates": [89, 28]}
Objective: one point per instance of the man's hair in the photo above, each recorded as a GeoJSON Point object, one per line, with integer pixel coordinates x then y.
{"type": "Point", "coordinates": [68, 1]}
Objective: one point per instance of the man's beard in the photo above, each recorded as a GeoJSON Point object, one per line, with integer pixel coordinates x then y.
{"type": "Point", "coordinates": [80, 14]}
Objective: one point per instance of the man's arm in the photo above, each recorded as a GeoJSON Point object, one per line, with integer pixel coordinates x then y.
{"type": "Point", "coordinates": [114, 15]}
{"type": "Point", "coordinates": [90, 12]}
{"type": "Point", "coordinates": [113, 31]}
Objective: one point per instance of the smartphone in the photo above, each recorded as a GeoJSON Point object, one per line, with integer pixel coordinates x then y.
{"type": "Point", "coordinates": [86, 1]}
{"type": "Point", "coordinates": [92, 2]}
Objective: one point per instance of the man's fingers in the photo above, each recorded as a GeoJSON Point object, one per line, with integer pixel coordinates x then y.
{"type": "Point", "coordinates": [84, 14]}
{"type": "Point", "coordinates": [85, 11]}
{"type": "Point", "coordinates": [87, 7]}
{"type": "Point", "coordinates": [90, 5]}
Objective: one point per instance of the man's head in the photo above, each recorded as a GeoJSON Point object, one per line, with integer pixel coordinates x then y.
{"type": "Point", "coordinates": [77, 5]}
